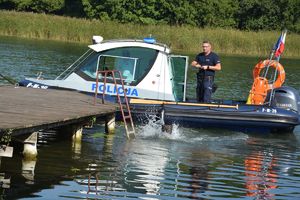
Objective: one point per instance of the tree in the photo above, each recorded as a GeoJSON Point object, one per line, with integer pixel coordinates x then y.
{"type": "Point", "coordinates": [241, 14]}
{"type": "Point", "coordinates": [176, 12]}
{"type": "Point", "coordinates": [216, 13]}
{"type": "Point", "coordinates": [39, 6]}
{"type": "Point", "coordinates": [135, 11]}
{"type": "Point", "coordinates": [7, 4]}
{"type": "Point", "coordinates": [260, 15]}
{"type": "Point", "coordinates": [290, 15]}
{"type": "Point", "coordinates": [73, 8]}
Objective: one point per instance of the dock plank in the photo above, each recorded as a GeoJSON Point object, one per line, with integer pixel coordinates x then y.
{"type": "Point", "coordinates": [26, 109]}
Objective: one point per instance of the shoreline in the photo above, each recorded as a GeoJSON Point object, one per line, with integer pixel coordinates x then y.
{"type": "Point", "coordinates": [181, 39]}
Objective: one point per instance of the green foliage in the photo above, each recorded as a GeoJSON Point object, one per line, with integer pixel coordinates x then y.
{"type": "Point", "coordinates": [134, 11]}
{"type": "Point", "coordinates": [269, 14]}
{"type": "Point", "coordinates": [259, 14]}
{"type": "Point", "coordinates": [216, 13]}
{"type": "Point", "coordinates": [6, 4]}
{"type": "Point", "coordinates": [39, 6]}
{"type": "Point", "coordinates": [6, 137]}
{"type": "Point", "coordinates": [291, 14]}
{"type": "Point", "coordinates": [181, 38]}
{"type": "Point", "coordinates": [74, 8]}
{"type": "Point", "coordinates": [242, 14]}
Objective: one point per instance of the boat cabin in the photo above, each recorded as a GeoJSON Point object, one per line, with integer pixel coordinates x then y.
{"type": "Point", "coordinates": [148, 68]}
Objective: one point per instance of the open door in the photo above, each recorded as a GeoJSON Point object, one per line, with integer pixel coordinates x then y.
{"type": "Point", "coordinates": [179, 66]}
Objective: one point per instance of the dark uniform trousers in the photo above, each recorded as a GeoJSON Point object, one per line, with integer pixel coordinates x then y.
{"type": "Point", "coordinates": [204, 87]}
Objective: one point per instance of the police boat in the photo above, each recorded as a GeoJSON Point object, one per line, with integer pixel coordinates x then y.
{"type": "Point", "coordinates": [155, 83]}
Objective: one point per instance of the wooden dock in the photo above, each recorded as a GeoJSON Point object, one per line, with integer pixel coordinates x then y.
{"type": "Point", "coordinates": [26, 110]}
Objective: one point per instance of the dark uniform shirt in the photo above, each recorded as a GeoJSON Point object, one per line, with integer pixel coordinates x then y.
{"type": "Point", "coordinates": [211, 60]}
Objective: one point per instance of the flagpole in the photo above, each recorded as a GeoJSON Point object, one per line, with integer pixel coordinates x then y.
{"type": "Point", "coordinates": [266, 72]}
{"type": "Point", "coordinates": [271, 56]}
{"type": "Point", "coordinates": [283, 35]}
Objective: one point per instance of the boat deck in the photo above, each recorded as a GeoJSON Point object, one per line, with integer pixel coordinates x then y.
{"type": "Point", "coordinates": [24, 110]}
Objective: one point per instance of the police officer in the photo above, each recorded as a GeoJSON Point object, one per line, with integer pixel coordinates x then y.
{"type": "Point", "coordinates": [207, 62]}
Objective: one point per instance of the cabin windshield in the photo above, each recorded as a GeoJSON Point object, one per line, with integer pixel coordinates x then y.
{"type": "Point", "coordinates": [126, 65]}
{"type": "Point", "coordinates": [133, 62]}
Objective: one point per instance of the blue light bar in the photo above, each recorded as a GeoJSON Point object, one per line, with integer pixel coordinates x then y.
{"type": "Point", "coordinates": [149, 40]}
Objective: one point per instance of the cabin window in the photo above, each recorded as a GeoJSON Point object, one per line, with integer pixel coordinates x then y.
{"type": "Point", "coordinates": [133, 62]}
{"type": "Point", "coordinates": [87, 69]}
{"type": "Point", "coordinates": [126, 65]}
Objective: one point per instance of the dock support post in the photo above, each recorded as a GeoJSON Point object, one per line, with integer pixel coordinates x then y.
{"type": "Point", "coordinates": [30, 148]}
{"type": "Point", "coordinates": [74, 131]}
{"type": "Point", "coordinates": [77, 134]}
{"type": "Point", "coordinates": [71, 130]}
{"type": "Point", "coordinates": [110, 124]}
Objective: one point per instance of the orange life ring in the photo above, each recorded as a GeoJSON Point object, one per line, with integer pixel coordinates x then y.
{"type": "Point", "coordinates": [261, 85]}
{"type": "Point", "coordinates": [276, 65]}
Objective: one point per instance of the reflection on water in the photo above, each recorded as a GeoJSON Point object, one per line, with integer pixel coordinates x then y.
{"type": "Point", "coordinates": [187, 164]}
{"type": "Point", "coordinates": [260, 175]}
{"type": "Point", "coordinates": [28, 167]}
{"type": "Point", "coordinates": [195, 165]}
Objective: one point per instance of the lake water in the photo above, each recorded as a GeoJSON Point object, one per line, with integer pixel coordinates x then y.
{"type": "Point", "coordinates": [187, 164]}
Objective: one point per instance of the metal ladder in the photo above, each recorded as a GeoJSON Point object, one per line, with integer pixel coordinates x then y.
{"type": "Point", "coordinates": [130, 131]}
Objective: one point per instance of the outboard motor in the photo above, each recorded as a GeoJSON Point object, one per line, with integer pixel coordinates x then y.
{"type": "Point", "coordinates": [287, 98]}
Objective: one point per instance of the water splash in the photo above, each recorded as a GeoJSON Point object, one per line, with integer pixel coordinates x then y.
{"type": "Point", "coordinates": [153, 129]}
{"type": "Point", "coordinates": [153, 125]}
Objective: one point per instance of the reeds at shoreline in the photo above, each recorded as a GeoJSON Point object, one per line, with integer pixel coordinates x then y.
{"type": "Point", "coordinates": [181, 38]}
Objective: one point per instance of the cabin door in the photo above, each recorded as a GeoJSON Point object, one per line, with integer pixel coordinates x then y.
{"type": "Point", "coordinates": [179, 66]}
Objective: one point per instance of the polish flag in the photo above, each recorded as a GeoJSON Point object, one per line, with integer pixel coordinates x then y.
{"type": "Point", "coordinates": [279, 47]}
